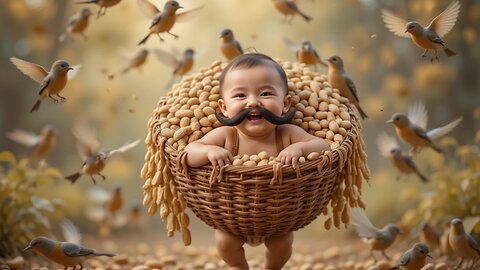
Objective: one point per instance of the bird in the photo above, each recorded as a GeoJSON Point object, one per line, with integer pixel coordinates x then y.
{"type": "Point", "coordinates": [289, 7]}
{"type": "Point", "coordinates": [427, 38]}
{"type": "Point", "coordinates": [229, 46]}
{"type": "Point", "coordinates": [137, 61]}
{"type": "Point", "coordinates": [338, 78]}
{"type": "Point", "coordinates": [115, 202]}
{"type": "Point", "coordinates": [52, 82]}
{"type": "Point", "coordinates": [64, 253]}
{"type": "Point", "coordinates": [104, 4]}
{"type": "Point", "coordinates": [445, 245]}
{"type": "Point", "coordinates": [463, 244]}
{"type": "Point", "coordinates": [70, 232]}
{"type": "Point", "coordinates": [388, 147]}
{"type": "Point", "coordinates": [77, 24]}
{"type": "Point", "coordinates": [411, 129]}
{"type": "Point", "coordinates": [163, 21]}
{"type": "Point", "coordinates": [112, 201]}
{"type": "Point", "coordinates": [94, 160]}
{"type": "Point", "coordinates": [305, 53]}
{"type": "Point", "coordinates": [40, 144]}
{"type": "Point", "coordinates": [429, 236]}
{"type": "Point", "coordinates": [414, 258]}
{"type": "Point", "coordinates": [377, 239]}
{"type": "Point", "coordinates": [181, 65]}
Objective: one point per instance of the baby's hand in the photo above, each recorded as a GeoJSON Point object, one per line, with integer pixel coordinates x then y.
{"type": "Point", "coordinates": [219, 156]}
{"type": "Point", "coordinates": [290, 155]}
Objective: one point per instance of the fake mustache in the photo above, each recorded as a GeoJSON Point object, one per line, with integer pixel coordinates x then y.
{"type": "Point", "coordinates": [244, 113]}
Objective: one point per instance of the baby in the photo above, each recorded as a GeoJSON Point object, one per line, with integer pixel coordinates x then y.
{"type": "Point", "coordinates": [255, 105]}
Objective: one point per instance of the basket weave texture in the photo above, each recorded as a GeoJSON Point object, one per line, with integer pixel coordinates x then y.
{"type": "Point", "coordinates": [253, 202]}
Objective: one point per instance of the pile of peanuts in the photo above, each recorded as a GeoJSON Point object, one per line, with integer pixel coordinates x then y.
{"type": "Point", "coordinates": [187, 113]}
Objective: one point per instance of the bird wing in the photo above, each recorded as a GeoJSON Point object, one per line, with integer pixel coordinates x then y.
{"type": "Point", "coordinates": [405, 259]}
{"type": "Point", "coordinates": [87, 140]}
{"type": "Point", "coordinates": [350, 85]}
{"type": "Point", "coordinates": [473, 244]}
{"type": "Point", "coordinates": [72, 73]}
{"type": "Point", "coordinates": [187, 15]}
{"type": "Point", "coordinates": [74, 250]}
{"type": "Point", "coordinates": [147, 8]}
{"type": "Point", "coordinates": [23, 137]}
{"type": "Point", "coordinates": [394, 23]}
{"type": "Point", "coordinates": [34, 71]}
{"type": "Point", "coordinates": [445, 21]}
{"type": "Point", "coordinates": [386, 143]}
{"type": "Point", "coordinates": [166, 58]}
{"type": "Point", "coordinates": [442, 131]}
{"type": "Point", "coordinates": [239, 47]}
{"type": "Point", "coordinates": [417, 114]}
{"type": "Point", "coordinates": [70, 232]}
{"type": "Point", "coordinates": [124, 148]}
{"type": "Point", "coordinates": [98, 194]}
{"type": "Point", "coordinates": [74, 19]}
{"type": "Point", "coordinates": [291, 44]}
{"type": "Point", "coordinates": [362, 224]}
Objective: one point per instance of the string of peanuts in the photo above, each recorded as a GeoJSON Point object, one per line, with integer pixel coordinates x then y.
{"type": "Point", "coordinates": [186, 113]}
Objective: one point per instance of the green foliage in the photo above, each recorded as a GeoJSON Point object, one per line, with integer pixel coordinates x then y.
{"type": "Point", "coordinates": [23, 214]}
{"type": "Point", "coordinates": [457, 182]}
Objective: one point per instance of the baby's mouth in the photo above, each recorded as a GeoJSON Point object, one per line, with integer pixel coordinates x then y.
{"type": "Point", "coordinates": [254, 116]}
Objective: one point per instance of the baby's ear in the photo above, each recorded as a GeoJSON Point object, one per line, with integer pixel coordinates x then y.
{"type": "Point", "coordinates": [223, 108]}
{"type": "Point", "coordinates": [287, 102]}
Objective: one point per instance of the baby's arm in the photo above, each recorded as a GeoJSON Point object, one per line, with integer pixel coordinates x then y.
{"type": "Point", "coordinates": [210, 148]}
{"type": "Point", "coordinates": [302, 144]}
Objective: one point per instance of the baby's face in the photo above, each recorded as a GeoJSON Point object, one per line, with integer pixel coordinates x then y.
{"type": "Point", "coordinates": [259, 86]}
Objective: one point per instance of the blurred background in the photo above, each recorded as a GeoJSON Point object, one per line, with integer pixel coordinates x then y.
{"type": "Point", "coordinates": [388, 71]}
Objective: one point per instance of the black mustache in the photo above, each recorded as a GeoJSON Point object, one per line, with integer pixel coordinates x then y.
{"type": "Point", "coordinates": [272, 118]}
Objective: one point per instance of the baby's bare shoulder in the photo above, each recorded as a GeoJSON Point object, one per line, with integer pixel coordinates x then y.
{"type": "Point", "coordinates": [291, 129]}
{"type": "Point", "coordinates": [217, 136]}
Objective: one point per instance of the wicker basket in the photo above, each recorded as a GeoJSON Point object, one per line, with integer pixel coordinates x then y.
{"type": "Point", "coordinates": [254, 202]}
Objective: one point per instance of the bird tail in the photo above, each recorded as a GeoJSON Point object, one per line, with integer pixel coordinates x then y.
{"type": "Point", "coordinates": [36, 106]}
{"type": "Point", "coordinates": [307, 18]}
{"type": "Point", "coordinates": [449, 52]}
{"type": "Point", "coordinates": [421, 176]}
{"type": "Point", "coordinates": [86, 1]}
{"type": "Point", "coordinates": [74, 177]}
{"type": "Point", "coordinates": [362, 113]}
{"type": "Point", "coordinates": [144, 39]}
{"type": "Point", "coordinates": [104, 254]}
{"type": "Point", "coordinates": [438, 150]}
{"type": "Point", "coordinates": [125, 70]}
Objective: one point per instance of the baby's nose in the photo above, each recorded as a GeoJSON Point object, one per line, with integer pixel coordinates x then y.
{"type": "Point", "coordinates": [253, 102]}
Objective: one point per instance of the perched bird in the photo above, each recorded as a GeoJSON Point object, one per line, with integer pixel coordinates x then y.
{"type": "Point", "coordinates": [388, 147]}
{"type": "Point", "coordinates": [288, 7]}
{"type": "Point", "coordinates": [115, 203]}
{"type": "Point", "coordinates": [429, 236]}
{"type": "Point", "coordinates": [181, 65]}
{"type": "Point", "coordinates": [164, 20]}
{"type": "Point", "coordinates": [414, 258]}
{"type": "Point", "coordinates": [411, 129]}
{"type": "Point", "coordinates": [305, 53]}
{"type": "Point", "coordinates": [104, 4]}
{"type": "Point", "coordinates": [377, 239]}
{"type": "Point", "coordinates": [51, 83]}
{"type": "Point", "coordinates": [137, 61]}
{"type": "Point", "coordinates": [63, 253]}
{"type": "Point", "coordinates": [445, 245]}
{"type": "Point", "coordinates": [41, 144]}
{"type": "Point", "coordinates": [77, 24]}
{"type": "Point", "coordinates": [229, 46]}
{"type": "Point", "coordinates": [112, 201]}
{"type": "Point", "coordinates": [94, 160]}
{"type": "Point", "coordinates": [463, 245]}
{"type": "Point", "coordinates": [338, 78]}
{"type": "Point", "coordinates": [135, 217]}
{"type": "Point", "coordinates": [430, 37]}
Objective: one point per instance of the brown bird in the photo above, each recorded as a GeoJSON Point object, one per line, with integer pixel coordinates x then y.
{"type": "Point", "coordinates": [77, 24]}
{"type": "Point", "coordinates": [94, 160]}
{"type": "Point", "coordinates": [288, 7]}
{"type": "Point", "coordinates": [163, 21]}
{"type": "Point", "coordinates": [229, 46]}
{"type": "Point", "coordinates": [137, 61]}
{"type": "Point", "coordinates": [104, 4]}
{"type": "Point", "coordinates": [41, 145]}
{"type": "Point", "coordinates": [338, 78]}
{"type": "Point", "coordinates": [181, 65]}
{"type": "Point", "coordinates": [51, 83]}
{"type": "Point", "coordinates": [429, 236]}
{"type": "Point", "coordinates": [305, 53]}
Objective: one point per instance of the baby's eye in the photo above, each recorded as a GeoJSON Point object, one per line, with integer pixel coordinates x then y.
{"type": "Point", "coordinates": [266, 94]}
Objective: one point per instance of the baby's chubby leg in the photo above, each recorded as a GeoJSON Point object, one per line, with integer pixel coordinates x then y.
{"type": "Point", "coordinates": [279, 250]}
{"type": "Point", "coordinates": [230, 249]}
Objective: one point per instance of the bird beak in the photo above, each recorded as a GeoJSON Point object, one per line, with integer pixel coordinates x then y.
{"type": "Point", "coordinates": [406, 30]}
{"type": "Point", "coordinates": [70, 68]}
{"type": "Point", "coordinates": [429, 255]}
{"type": "Point", "coordinates": [389, 121]}
{"type": "Point", "coordinates": [27, 248]}
{"type": "Point", "coordinates": [180, 7]}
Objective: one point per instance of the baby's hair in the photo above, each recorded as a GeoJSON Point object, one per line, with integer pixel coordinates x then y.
{"type": "Point", "coordinates": [252, 60]}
